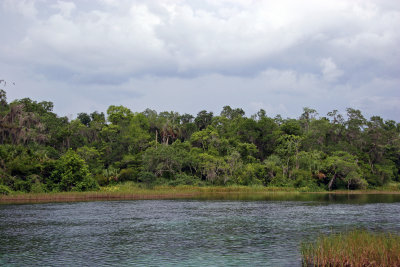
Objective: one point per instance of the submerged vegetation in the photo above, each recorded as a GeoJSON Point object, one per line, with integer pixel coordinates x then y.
{"type": "Point", "coordinates": [41, 152]}
{"type": "Point", "coordinates": [354, 248]}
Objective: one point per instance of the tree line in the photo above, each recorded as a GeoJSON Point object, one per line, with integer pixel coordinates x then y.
{"type": "Point", "coordinates": [41, 151]}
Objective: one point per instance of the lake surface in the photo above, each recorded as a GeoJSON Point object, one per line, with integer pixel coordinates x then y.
{"type": "Point", "coordinates": [232, 231]}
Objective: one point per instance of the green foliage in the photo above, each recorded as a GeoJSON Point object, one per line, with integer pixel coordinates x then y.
{"type": "Point", "coordinates": [342, 170]}
{"type": "Point", "coordinates": [272, 169]}
{"type": "Point", "coordinates": [128, 174]}
{"type": "Point", "coordinates": [84, 118]}
{"type": "Point", "coordinates": [280, 181]}
{"type": "Point", "coordinates": [5, 190]}
{"type": "Point", "coordinates": [118, 114]}
{"type": "Point", "coordinates": [91, 156]}
{"type": "Point", "coordinates": [302, 178]}
{"type": "Point", "coordinates": [40, 151]}
{"type": "Point", "coordinates": [231, 114]}
{"type": "Point", "coordinates": [252, 174]}
{"type": "Point", "coordinates": [71, 173]}
{"type": "Point", "coordinates": [147, 178]}
{"type": "Point", "coordinates": [203, 119]}
{"type": "Point", "coordinates": [101, 179]}
{"type": "Point", "coordinates": [164, 160]}
{"type": "Point", "coordinates": [185, 179]}
{"type": "Point", "coordinates": [38, 187]}
{"type": "Point", "coordinates": [291, 127]}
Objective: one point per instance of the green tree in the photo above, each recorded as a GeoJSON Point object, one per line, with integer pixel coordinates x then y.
{"type": "Point", "coordinates": [203, 119]}
{"type": "Point", "coordinates": [71, 173]}
{"type": "Point", "coordinates": [118, 114]}
{"type": "Point", "coordinates": [84, 118]}
{"type": "Point", "coordinates": [342, 168]}
{"type": "Point", "coordinates": [232, 114]}
{"type": "Point", "coordinates": [288, 150]}
{"type": "Point", "coordinates": [308, 115]}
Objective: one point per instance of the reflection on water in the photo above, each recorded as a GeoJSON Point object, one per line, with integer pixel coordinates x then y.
{"type": "Point", "coordinates": [289, 196]}
{"type": "Point", "coordinates": [219, 231]}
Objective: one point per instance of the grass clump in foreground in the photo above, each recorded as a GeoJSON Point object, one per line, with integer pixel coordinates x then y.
{"type": "Point", "coordinates": [354, 248]}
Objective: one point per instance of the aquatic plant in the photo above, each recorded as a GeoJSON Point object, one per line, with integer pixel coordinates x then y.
{"type": "Point", "coordinates": [353, 248]}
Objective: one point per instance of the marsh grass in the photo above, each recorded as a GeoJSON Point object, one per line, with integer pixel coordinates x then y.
{"type": "Point", "coordinates": [131, 190]}
{"type": "Point", "coordinates": [354, 248]}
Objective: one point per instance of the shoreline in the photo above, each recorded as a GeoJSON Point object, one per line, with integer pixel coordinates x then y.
{"type": "Point", "coordinates": [133, 192]}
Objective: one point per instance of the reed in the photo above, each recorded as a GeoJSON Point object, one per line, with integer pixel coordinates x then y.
{"type": "Point", "coordinates": [131, 190]}
{"type": "Point", "coordinates": [353, 248]}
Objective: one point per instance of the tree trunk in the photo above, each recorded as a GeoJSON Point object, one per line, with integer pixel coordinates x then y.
{"type": "Point", "coordinates": [331, 182]}
{"type": "Point", "coordinates": [156, 138]}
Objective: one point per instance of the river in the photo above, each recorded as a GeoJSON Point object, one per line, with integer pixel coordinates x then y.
{"type": "Point", "coordinates": [207, 231]}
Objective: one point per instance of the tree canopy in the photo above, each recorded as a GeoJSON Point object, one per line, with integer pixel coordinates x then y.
{"type": "Point", "coordinates": [41, 151]}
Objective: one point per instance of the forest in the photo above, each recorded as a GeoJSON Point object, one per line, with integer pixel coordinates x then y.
{"type": "Point", "coordinates": [43, 152]}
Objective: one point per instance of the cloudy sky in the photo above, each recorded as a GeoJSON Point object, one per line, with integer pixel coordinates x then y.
{"type": "Point", "coordinates": [203, 54]}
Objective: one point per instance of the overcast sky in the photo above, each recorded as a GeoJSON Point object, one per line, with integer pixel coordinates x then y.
{"type": "Point", "coordinates": [187, 56]}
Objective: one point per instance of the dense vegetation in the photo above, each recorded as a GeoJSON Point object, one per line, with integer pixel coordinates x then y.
{"type": "Point", "coordinates": [355, 248]}
{"type": "Point", "coordinates": [42, 152]}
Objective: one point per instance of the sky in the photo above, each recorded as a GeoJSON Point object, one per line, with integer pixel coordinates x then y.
{"type": "Point", "coordinates": [188, 56]}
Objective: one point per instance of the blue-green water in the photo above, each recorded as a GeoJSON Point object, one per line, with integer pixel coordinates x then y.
{"type": "Point", "coordinates": [181, 232]}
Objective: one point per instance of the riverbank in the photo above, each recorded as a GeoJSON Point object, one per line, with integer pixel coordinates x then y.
{"type": "Point", "coordinates": [135, 191]}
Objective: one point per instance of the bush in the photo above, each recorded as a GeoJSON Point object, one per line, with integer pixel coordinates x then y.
{"type": "Point", "coordinates": [303, 178]}
{"type": "Point", "coordinates": [111, 174]}
{"type": "Point", "coordinates": [252, 174]}
{"type": "Point", "coordinates": [88, 183]}
{"type": "Point", "coordinates": [22, 185]}
{"type": "Point", "coordinates": [5, 190]}
{"type": "Point", "coordinates": [72, 173]}
{"type": "Point", "coordinates": [101, 179]}
{"type": "Point", "coordinates": [147, 178]}
{"type": "Point", "coordinates": [38, 187]}
{"type": "Point", "coordinates": [184, 179]}
{"type": "Point", "coordinates": [128, 174]}
{"type": "Point", "coordinates": [280, 181]}
{"type": "Point", "coordinates": [6, 179]}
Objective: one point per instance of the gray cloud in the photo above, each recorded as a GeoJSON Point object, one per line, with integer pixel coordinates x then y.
{"type": "Point", "coordinates": [191, 55]}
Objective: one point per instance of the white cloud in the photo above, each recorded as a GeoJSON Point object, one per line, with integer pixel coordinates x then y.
{"type": "Point", "coordinates": [330, 71]}
{"type": "Point", "coordinates": [282, 55]}
{"type": "Point", "coordinates": [65, 8]}
{"type": "Point", "coordinates": [180, 37]}
{"type": "Point", "coordinates": [26, 8]}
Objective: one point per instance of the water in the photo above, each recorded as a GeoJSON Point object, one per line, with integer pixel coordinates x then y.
{"type": "Point", "coordinates": [202, 232]}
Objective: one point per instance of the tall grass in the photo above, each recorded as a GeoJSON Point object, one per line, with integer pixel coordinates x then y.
{"type": "Point", "coordinates": [130, 190]}
{"type": "Point", "coordinates": [354, 248]}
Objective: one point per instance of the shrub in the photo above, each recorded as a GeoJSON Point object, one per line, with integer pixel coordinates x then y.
{"type": "Point", "coordinates": [22, 185]}
{"type": "Point", "coordinates": [111, 174]}
{"type": "Point", "coordinates": [303, 178]}
{"type": "Point", "coordinates": [281, 181]}
{"type": "Point", "coordinates": [128, 174]}
{"type": "Point", "coordinates": [147, 178]}
{"type": "Point", "coordinates": [88, 183]}
{"type": "Point", "coordinates": [101, 179]}
{"type": "Point", "coordinates": [72, 173]}
{"type": "Point", "coordinates": [184, 179]}
{"type": "Point", "coordinates": [252, 174]}
{"type": "Point", "coordinates": [4, 190]}
{"type": "Point", "coordinates": [38, 187]}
